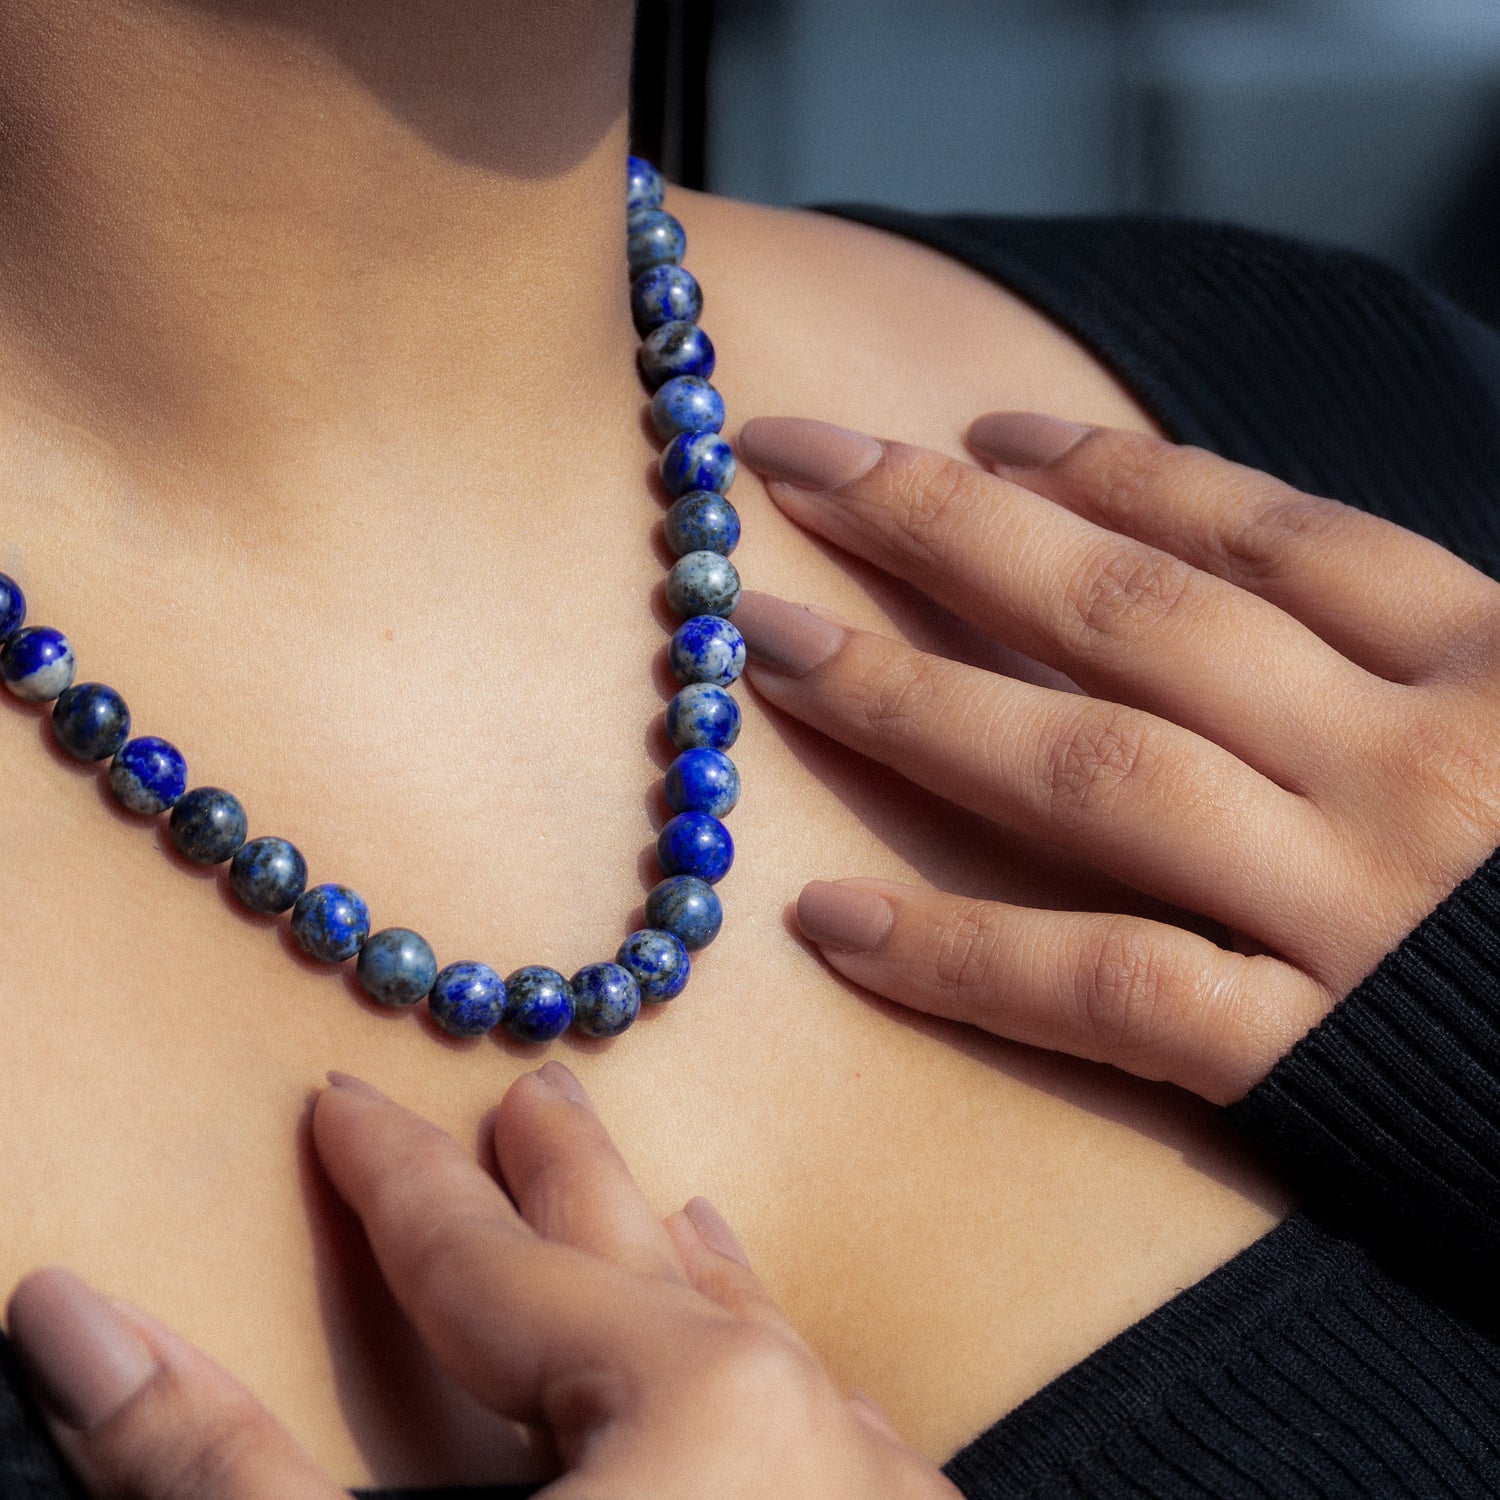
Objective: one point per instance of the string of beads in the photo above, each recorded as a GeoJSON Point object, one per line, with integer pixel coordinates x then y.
{"type": "Point", "coordinates": [331, 922]}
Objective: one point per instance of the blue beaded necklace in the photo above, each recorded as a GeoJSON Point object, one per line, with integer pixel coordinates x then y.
{"type": "Point", "coordinates": [331, 922]}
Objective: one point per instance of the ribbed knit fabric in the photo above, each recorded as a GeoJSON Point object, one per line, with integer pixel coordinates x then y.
{"type": "Point", "coordinates": [1301, 1369]}
{"type": "Point", "coordinates": [1390, 1109]}
{"type": "Point", "coordinates": [1343, 1354]}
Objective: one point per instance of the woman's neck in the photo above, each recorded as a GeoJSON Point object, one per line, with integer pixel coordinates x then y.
{"type": "Point", "coordinates": [236, 234]}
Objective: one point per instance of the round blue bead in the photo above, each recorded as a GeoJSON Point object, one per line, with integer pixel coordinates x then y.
{"type": "Point", "coordinates": [396, 966]}
{"type": "Point", "coordinates": [90, 721]}
{"type": "Point", "coordinates": [643, 184]}
{"type": "Point", "coordinates": [686, 403]}
{"type": "Point", "coordinates": [652, 238]}
{"type": "Point", "coordinates": [664, 294]}
{"type": "Point", "coordinates": [697, 461]}
{"type": "Point", "coordinates": [467, 999]}
{"type": "Point", "coordinates": [330, 922]}
{"type": "Point", "coordinates": [268, 875]}
{"type": "Point", "coordinates": [695, 843]}
{"type": "Point", "coordinates": [675, 349]}
{"type": "Point", "coordinates": [148, 775]}
{"type": "Point", "coordinates": [659, 962]}
{"type": "Point", "coordinates": [688, 908]}
{"type": "Point", "coordinates": [12, 607]}
{"type": "Point", "coordinates": [703, 583]}
{"type": "Point", "coordinates": [707, 648]}
{"type": "Point", "coordinates": [606, 999]}
{"type": "Point", "coordinates": [703, 780]}
{"type": "Point", "coordinates": [702, 714]}
{"type": "Point", "coordinates": [36, 663]}
{"type": "Point", "coordinates": [702, 521]}
{"type": "Point", "coordinates": [207, 825]}
{"type": "Point", "coordinates": [538, 1004]}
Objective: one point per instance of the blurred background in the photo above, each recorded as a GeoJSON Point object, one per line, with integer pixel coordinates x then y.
{"type": "Point", "coordinates": [1369, 123]}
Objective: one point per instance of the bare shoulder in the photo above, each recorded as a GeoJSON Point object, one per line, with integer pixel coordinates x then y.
{"type": "Point", "coordinates": [858, 325]}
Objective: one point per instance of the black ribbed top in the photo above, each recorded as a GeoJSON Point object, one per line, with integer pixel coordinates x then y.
{"type": "Point", "coordinates": [1390, 1110]}
{"type": "Point", "coordinates": [1350, 1352]}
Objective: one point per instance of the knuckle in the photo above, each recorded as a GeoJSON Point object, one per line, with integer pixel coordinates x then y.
{"type": "Point", "coordinates": [1123, 985]}
{"type": "Point", "coordinates": [932, 495]}
{"type": "Point", "coordinates": [1129, 469]}
{"type": "Point", "coordinates": [964, 956]}
{"type": "Point", "coordinates": [896, 696]}
{"type": "Point", "coordinates": [1124, 592]}
{"type": "Point", "coordinates": [1257, 550]}
{"type": "Point", "coordinates": [1092, 762]}
{"type": "Point", "coordinates": [1470, 650]}
{"type": "Point", "coordinates": [1451, 761]}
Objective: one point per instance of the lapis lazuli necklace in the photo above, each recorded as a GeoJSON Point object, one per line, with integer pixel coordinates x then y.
{"type": "Point", "coordinates": [331, 922]}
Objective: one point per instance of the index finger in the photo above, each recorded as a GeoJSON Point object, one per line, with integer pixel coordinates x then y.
{"type": "Point", "coordinates": [503, 1310]}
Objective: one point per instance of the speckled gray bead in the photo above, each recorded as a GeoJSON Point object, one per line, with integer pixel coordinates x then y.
{"type": "Point", "coordinates": [268, 875]}
{"type": "Point", "coordinates": [12, 607]}
{"type": "Point", "coordinates": [606, 999]}
{"type": "Point", "coordinates": [675, 349]}
{"type": "Point", "coordinates": [396, 966]}
{"type": "Point", "coordinates": [652, 238]}
{"type": "Point", "coordinates": [703, 583]}
{"type": "Point", "coordinates": [703, 714]}
{"type": "Point", "coordinates": [467, 999]}
{"type": "Point", "coordinates": [688, 907]}
{"type": "Point", "coordinates": [702, 521]}
{"type": "Point", "coordinates": [643, 184]}
{"type": "Point", "coordinates": [90, 721]}
{"type": "Point", "coordinates": [538, 1004]}
{"type": "Point", "coordinates": [330, 922]}
{"type": "Point", "coordinates": [36, 663]}
{"type": "Point", "coordinates": [148, 775]}
{"type": "Point", "coordinates": [707, 648]}
{"type": "Point", "coordinates": [659, 962]}
{"type": "Point", "coordinates": [686, 403]}
{"type": "Point", "coordinates": [208, 825]}
{"type": "Point", "coordinates": [664, 294]}
{"type": "Point", "coordinates": [697, 461]}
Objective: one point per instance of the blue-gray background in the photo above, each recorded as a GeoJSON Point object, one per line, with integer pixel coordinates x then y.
{"type": "Point", "coordinates": [1372, 123]}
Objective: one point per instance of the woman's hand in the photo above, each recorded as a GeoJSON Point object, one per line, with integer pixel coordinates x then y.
{"type": "Point", "coordinates": [1289, 724]}
{"type": "Point", "coordinates": [648, 1352]}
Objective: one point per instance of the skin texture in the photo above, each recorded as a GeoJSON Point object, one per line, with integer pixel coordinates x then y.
{"type": "Point", "coordinates": [280, 437]}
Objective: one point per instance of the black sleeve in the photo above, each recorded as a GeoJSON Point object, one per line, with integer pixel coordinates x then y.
{"type": "Point", "coordinates": [1389, 1110]}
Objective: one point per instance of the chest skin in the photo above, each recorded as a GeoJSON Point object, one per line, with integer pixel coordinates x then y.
{"type": "Point", "coordinates": [950, 1219]}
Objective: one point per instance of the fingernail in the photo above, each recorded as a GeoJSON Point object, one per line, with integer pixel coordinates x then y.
{"type": "Point", "coordinates": [713, 1231]}
{"type": "Point", "coordinates": [843, 916]}
{"type": "Point", "coordinates": [86, 1360]}
{"type": "Point", "coordinates": [811, 455]}
{"type": "Point", "coordinates": [785, 635]}
{"type": "Point", "coordinates": [1026, 439]}
{"type": "Point", "coordinates": [560, 1080]}
{"type": "Point", "coordinates": [347, 1083]}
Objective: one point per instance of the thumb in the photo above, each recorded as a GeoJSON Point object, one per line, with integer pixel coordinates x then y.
{"type": "Point", "coordinates": [139, 1412]}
